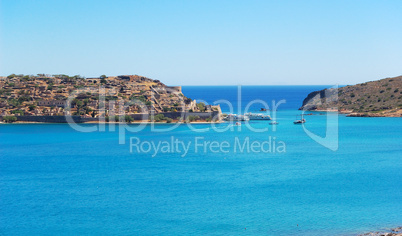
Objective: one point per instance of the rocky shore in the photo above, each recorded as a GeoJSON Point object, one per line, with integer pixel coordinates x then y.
{"type": "Point", "coordinates": [350, 113]}
{"type": "Point", "coordinates": [381, 98]}
{"type": "Point", "coordinates": [392, 113]}
{"type": "Point", "coordinates": [392, 232]}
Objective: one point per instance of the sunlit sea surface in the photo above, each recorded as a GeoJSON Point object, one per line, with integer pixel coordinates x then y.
{"type": "Point", "coordinates": [55, 180]}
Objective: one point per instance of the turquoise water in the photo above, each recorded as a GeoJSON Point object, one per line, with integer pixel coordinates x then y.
{"type": "Point", "coordinates": [55, 180]}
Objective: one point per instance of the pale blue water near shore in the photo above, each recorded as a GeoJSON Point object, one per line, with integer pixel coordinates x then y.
{"type": "Point", "coordinates": [55, 180]}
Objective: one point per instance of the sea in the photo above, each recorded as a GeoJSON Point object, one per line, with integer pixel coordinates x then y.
{"type": "Point", "coordinates": [334, 175]}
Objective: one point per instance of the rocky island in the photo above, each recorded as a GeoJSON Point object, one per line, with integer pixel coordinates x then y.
{"type": "Point", "coordinates": [129, 98]}
{"type": "Point", "coordinates": [381, 98]}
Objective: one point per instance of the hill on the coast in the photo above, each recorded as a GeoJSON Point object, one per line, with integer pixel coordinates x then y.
{"type": "Point", "coordinates": [376, 98]}
{"type": "Point", "coordinates": [50, 95]}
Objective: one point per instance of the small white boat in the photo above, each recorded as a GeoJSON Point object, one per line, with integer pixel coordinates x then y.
{"type": "Point", "coordinates": [234, 117]}
{"type": "Point", "coordinates": [273, 123]}
{"type": "Point", "coordinates": [301, 121]}
{"type": "Point", "coordinates": [253, 116]}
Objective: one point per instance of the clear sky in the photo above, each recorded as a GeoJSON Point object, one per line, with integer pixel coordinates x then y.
{"type": "Point", "coordinates": [205, 42]}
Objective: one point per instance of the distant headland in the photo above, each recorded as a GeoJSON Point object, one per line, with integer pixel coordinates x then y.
{"type": "Point", "coordinates": [128, 98]}
{"type": "Point", "coordinates": [381, 98]}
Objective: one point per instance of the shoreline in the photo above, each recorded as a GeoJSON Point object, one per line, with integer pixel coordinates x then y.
{"type": "Point", "coordinates": [97, 122]}
{"type": "Point", "coordinates": [397, 231]}
{"type": "Point", "coordinates": [350, 113]}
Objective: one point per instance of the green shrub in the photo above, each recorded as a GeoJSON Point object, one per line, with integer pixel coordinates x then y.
{"type": "Point", "coordinates": [111, 118]}
{"type": "Point", "coordinates": [24, 98]}
{"type": "Point", "coordinates": [9, 119]}
{"type": "Point", "coordinates": [192, 118]}
{"type": "Point", "coordinates": [159, 118]}
{"type": "Point", "coordinates": [11, 76]}
{"type": "Point", "coordinates": [128, 118]}
{"type": "Point", "coordinates": [201, 106]}
{"type": "Point", "coordinates": [18, 112]}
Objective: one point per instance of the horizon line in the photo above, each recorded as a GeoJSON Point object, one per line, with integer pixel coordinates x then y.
{"type": "Point", "coordinates": [259, 85]}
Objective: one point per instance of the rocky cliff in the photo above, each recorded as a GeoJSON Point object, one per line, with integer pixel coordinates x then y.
{"type": "Point", "coordinates": [375, 98]}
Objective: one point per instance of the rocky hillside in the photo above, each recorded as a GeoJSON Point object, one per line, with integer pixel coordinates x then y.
{"type": "Point", "coordinates": [375, 98]}
{"type": "Point", "coordinates": [47, 95]}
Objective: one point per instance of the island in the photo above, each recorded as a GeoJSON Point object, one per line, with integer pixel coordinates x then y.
{"type": "Point", "coordinates": [381, 98]}
{"type": "Point", "coordinates": [124, 98]}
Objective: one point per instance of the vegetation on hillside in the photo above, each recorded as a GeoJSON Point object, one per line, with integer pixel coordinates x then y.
{"type": "Point", "coordinates": [375, 98]}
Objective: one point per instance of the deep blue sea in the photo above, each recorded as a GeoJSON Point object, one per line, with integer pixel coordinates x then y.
{"type": "Point", "coordinates": [55, 180]}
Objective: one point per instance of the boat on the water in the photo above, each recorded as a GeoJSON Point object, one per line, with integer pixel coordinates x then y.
{"type": "Point", "coordinates": [274, 123]}
{"type": "Point", "coordinates": [253, 116]}
{"type": "Point", "coordinates": [234, 117]}
{"type": "Point", "coordinates": [238, 123]}
{"type": "Point", "coordinates": [299, 121]}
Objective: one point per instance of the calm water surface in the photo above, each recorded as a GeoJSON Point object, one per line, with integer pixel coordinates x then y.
{"type": "Point", "coordinates": [55, 180]}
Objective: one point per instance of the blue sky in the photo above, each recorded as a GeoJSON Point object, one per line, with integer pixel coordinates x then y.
{"type": "Point", "coordinates": [205, 42]}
